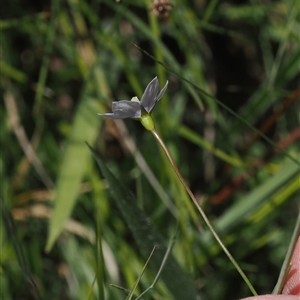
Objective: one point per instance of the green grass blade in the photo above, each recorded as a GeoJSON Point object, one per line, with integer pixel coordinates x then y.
{"type": "Point", "coordinates": [13, 73]}
{"type": "Point", "coordinates": [195, 138]}
{"type": "Point", "coordinates": [74, 164]}
{"type": "Point", "coordinates": [285, 268]}
{"type": "Point", "coordinates": [179, 284]}
{"type": "Point", "coordinates": [250, 203]}
{"type": "Point", "coordinates": [11, 231]}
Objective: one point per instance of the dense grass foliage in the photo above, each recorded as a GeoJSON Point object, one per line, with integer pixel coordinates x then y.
{"type": "Point", "coordinates": [76, 220]}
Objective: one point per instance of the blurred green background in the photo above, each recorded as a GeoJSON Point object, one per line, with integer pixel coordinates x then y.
{"type": "Point", "coordinates": [232, 66]}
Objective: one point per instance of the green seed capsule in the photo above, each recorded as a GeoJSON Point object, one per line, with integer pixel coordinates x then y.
{"type": "Point", "coordinates": [147, 122]}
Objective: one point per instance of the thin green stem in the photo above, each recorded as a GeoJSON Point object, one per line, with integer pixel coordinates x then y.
{"type": "Point", "coordinates": [131, 294]}
{"type": "Point", "coordinates": [170, 247]}
{"type": "Point", "coordinates": [205, 218]}
{"type": "Point", "coordinates": [285, 266]}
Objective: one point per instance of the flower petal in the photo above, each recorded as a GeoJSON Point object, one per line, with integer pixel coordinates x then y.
{"type": "Point", "coordinates": [126, 109]}
{"type": "Point", "coordinates": [161, 92]}
{"type": "Point", "coordinates": [151, 96]}
{"type": "Point", "coordinates": [148, 98]}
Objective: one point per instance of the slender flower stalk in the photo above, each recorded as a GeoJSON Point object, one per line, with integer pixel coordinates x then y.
{"type": "Point", "coordinates": [141, 110]}
{"type": "Point", "coordinates": [205, 218]}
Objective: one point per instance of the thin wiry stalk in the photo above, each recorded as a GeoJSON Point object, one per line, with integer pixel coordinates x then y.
{"type": "Point", "coordinates": [205, 218]}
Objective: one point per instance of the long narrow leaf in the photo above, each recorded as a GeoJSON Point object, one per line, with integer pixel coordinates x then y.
{"type": "Point", "coordinates": [179, 284]}
{"type": "Point", "coordinates": [74, 165]}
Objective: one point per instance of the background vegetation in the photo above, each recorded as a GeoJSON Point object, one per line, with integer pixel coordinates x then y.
{"type": "Point", "coordinates": [62, 62]}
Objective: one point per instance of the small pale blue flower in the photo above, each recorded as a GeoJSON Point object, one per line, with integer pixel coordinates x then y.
{"type": "Point", "coordinates": [134, 109]}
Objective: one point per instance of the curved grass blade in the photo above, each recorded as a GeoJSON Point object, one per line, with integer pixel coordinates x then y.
{"type": "Point", "coordinates": [178, 283]}
{"type": "Point", "coordinates": [237, 116]}
{"type": "Point", "coordinates": [11, 231]}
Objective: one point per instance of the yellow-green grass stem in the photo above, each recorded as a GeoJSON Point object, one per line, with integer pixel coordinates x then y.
{"type": "Point", "coordinates": [205, 218]}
